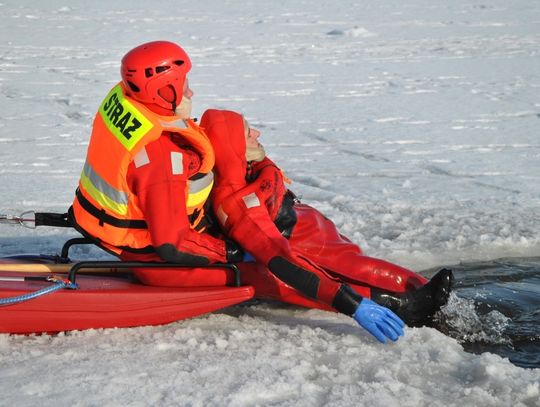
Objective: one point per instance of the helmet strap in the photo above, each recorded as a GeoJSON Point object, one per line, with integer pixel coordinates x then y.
{"type": "Point", "coordinates": [168, 94]}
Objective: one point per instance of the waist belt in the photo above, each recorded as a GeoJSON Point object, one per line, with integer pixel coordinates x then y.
{"type": "Point", "coordinates": [104, 217]}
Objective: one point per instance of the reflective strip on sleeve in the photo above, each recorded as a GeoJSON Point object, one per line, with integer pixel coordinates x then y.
{"type": "Point", "coordinates": [177, 162]}
{"type": "Point", "coordinates": [251, 200]}
{"type": "Point", "coordinates": [141, 158]}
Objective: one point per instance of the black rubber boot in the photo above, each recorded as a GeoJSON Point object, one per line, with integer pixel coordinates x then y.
{"type": "Point", "coordinates": [417, 307]}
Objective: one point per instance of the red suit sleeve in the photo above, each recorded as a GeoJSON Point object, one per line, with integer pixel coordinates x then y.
{"type": "Point", "coordinates": [247, 221]}
{"type": "Point", "coordinates": [242, 211]}
{"type": "Point", "coordinates": [159, 178]}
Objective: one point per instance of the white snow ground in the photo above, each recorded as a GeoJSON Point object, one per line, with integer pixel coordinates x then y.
{"type": "Point", "coordinates": [413, 126]}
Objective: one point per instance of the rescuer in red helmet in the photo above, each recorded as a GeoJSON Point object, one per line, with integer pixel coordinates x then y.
{"type": "Point", "coordinates": [148, 171]}
{"type": "Point", "coordinates": [299, 247]}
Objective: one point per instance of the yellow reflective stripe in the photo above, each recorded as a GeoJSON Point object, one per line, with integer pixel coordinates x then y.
{"type": "Point", "coordinates": [101, 198]}
{"type": "Point", "coordinates": [201, 183]}
{"type": "Point", "coordinates": [103, 186]}
{"type": "Point", "coordinates": [127, 123]}
{"type": "Point", "coordinates": [199, 190]}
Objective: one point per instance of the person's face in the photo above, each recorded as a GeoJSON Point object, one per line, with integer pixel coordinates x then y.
{"type": "Point", "coordinates": [254, 149]}
{"type": "Point", "coordinates": [252, 136]}
{"type": "Point", "coordinates": [184, 108]}
{"type": "Point", "coordinates": [188, 93]}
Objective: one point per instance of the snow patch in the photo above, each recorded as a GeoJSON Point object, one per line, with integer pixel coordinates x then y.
{"type": "Point", "coordinates": [354, 32]}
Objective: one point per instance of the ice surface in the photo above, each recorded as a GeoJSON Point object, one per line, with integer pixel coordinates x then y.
{"type": "Point", "coordinates": [414, 126]}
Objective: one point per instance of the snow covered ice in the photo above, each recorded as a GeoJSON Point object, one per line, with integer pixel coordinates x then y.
{"type": "Point", "coordinates": [413, 126]}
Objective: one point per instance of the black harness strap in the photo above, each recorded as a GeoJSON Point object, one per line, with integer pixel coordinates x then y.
{"type": "Point", "coordinates": [106, 218]}
{"type": "Point", "coordinates": [53, 219]}
{"type": "Point", "coordinates": [91, 239]}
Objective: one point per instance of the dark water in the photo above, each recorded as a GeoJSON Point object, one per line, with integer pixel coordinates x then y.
{"type": "Point", "coordinates": [496, 308]}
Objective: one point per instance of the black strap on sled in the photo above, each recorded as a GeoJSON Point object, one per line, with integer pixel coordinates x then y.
{"type": "Point", "coordinates": [31, 219]}
{"type": "Point", "coordinates": [53, 219]}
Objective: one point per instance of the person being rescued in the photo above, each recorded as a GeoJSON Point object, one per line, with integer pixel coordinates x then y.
{"type": "Point", "coordinates": [296, 248]}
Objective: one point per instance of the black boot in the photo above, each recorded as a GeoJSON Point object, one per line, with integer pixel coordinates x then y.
{"type": "Point", "coordinates": [417, 307]}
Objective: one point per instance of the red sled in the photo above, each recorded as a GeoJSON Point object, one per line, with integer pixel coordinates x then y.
{"type": "Point", "coordinates": [114, 300]}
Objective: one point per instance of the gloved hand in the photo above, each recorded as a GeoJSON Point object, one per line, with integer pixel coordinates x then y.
{"type": "Point", "coordinates": [379, 321]}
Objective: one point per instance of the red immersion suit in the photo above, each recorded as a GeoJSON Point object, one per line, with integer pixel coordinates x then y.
{"type": "Point", "coordinates": [301, 257]}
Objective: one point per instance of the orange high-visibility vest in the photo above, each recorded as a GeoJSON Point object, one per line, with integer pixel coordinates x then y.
{"type": "Point", "coordinates": [104, 206]}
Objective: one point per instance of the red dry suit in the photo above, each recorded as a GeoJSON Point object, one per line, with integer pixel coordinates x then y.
{"type": "Point", "coordinates": [300, 249]}
{"type": "Point", "coordinates": [167, 216]}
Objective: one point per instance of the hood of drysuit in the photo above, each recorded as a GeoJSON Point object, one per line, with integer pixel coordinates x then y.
{"type": "Point", "coordinates": [225, 129]}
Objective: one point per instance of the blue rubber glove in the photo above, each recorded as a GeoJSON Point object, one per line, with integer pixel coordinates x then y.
{"type": "Point", "coordinates": [248, 258]}
{"type": "Point", "coordinates": [379, 321]}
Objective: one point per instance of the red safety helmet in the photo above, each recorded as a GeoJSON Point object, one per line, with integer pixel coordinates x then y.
{"type": "Point", "coordinates": [155, 72]}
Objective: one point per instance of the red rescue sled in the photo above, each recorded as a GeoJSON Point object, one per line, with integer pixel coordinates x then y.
{"type": "Point", "coordinates": [104, 301]}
